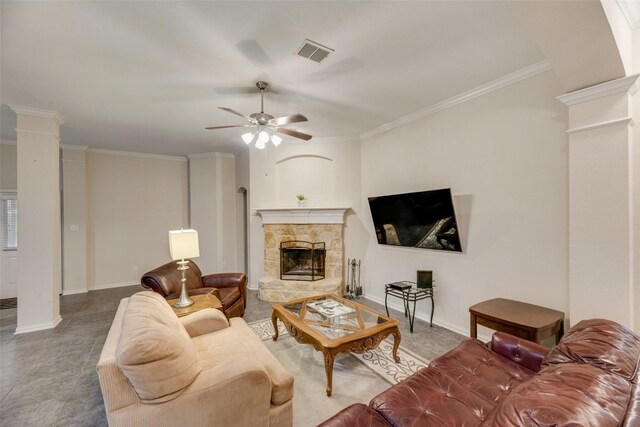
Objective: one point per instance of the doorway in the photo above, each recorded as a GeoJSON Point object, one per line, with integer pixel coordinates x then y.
{"type": "Point", "coordinates": [242, 211]}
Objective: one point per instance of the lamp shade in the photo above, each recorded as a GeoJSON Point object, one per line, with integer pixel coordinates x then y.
{"type": "Point", "coordinates": [183, 244]}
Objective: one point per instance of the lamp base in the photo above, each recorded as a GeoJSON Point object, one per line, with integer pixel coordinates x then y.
{"type": "Point", "coordinates": [184, 300]}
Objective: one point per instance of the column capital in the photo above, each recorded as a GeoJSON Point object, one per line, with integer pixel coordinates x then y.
{"type": "Point", "coordinates": [622, 84]}
{"type": "Point", "coordinates": [38, 112]}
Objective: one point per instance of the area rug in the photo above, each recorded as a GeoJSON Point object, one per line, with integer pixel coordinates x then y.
{"type": "Point", "coordinates": [356, 377]}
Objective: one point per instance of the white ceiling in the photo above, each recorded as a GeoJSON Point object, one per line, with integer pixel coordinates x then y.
{"type": "Point", "coordinates": [149, 76]}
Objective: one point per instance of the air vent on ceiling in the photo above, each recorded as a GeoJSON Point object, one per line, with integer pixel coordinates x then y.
{"type": "Point", "coordinates": [313, 51]}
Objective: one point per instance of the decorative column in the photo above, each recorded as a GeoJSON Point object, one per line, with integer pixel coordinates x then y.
{"type": "Point", "coordinates": [602, 183]}
{"type": "Point", "coordinates": [39, 262]}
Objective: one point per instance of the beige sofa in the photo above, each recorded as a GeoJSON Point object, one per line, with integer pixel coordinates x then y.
{"type": "Point", "coordinates": [160, 370]}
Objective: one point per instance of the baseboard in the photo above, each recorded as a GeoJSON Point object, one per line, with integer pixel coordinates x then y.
{"type": "Point", "coordinates": [252, 288]}
{"type": "Point", "coordinates": [74, 291]}
{"type": "Point", "coordinates": [38, 326]}
{"type": "Point", "coordinates": [113, 285]}
{"type": "Point", "coordinates": [425, 317]}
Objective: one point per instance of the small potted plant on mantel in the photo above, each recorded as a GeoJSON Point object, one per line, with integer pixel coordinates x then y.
{"type": "Point", "coordinates": [301, 200]}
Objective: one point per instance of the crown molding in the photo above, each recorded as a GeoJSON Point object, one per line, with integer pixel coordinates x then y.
{"type": "Point", "coordinates": [8, 142]}
{"type": "Point", "coordinates": [622, 84]}
{"type": "Point", "coordinates": [334, 139]}
{"type": "Point", "coordinates": [134, 154]}
{"type": "Point", "coordinates": [631, 11]}
{"type": "Point", "coordinates": [212, 154]}
{"type": "Point", "coordinates": [627, 120]}
{"type": "Point", "coordinates": [38, 112]}
{"type": "Point", "coordinates": [504, 81]}
{"type": "Point", "coordinates": [74, 147]}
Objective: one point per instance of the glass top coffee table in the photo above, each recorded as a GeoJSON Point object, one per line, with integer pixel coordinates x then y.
{"type": "Point", "coordinates": [335, 325]}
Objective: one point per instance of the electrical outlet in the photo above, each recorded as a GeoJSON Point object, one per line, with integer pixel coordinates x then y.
{"type": "Point", "coordinates": [74, 227]}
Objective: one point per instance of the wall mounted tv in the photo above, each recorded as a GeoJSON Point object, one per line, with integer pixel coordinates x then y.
{"type": "Point", "coordinates": [425, 219]}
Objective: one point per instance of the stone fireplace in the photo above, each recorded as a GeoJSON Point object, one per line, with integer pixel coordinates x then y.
{"type": "Point", "coordinates": [322, 230]}
{"type": "Point", "coordinates": [300, 260]}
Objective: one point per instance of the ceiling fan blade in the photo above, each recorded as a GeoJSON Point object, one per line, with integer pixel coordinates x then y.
{"type": "Point", "coordinates": [294, 133]}
{"type": "Point", "coordinates": [285, 120]}
{"type": "Point", "coordinates": [230, 126]}
{"type": "Point", "coordinates": [234, 112]}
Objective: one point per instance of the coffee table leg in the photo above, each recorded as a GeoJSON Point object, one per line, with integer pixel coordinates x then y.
{"type": "Point", "coordinates": [274, 320]}
{"type": "Point", "coordinates": [396, 344]}
{"type": "Point", "coordinates": [328, 367]}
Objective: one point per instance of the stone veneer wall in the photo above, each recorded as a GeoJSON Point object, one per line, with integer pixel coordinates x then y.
{"type": "Point", "coordinates": [330, 234]}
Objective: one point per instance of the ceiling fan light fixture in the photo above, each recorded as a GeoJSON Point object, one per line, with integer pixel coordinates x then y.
{"type": "Point", "coordinates": [265, 125]}
{"type": "Point", "coordinates": [263, 137]}
{"type": "Point", "coordinates": [276, 140]}
{"type": "Point", "coordinates": [248, 137]}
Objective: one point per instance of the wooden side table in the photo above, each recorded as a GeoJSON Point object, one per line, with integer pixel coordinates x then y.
{"type": "Point", "coordinates": [199, 302]}
{"type": "Point", "coordinates": [528, 321]}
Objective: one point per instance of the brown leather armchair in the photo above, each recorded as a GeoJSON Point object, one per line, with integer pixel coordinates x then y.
{"type": "Point", "coordinates": [230, 288]}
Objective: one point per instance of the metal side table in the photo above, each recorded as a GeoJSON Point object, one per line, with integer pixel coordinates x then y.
{"type": "Point", "coordinates": [409, 295]}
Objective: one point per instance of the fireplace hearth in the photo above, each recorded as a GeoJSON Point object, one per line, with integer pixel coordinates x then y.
{"type": "Point", "coordinates": [301, 260]}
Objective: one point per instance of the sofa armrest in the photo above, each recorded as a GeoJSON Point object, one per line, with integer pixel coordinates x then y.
{"type": "Point", "coordinates": [204, 321]}
{"type": "Point", "coordinates": [233, 393]}
{"type": "Point", "coordinates": [356, 415]}
{"type": "Point", "coordinates": [227, 280]}
{"type": "Point", "coordinates": [525, 353]}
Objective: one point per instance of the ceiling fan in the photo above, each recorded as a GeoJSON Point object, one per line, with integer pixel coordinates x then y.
{"type": "Point", "coordinates": [265, 124]}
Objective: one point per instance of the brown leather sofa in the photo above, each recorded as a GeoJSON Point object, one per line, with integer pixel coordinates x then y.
{"type": "Point", "coordinates": [230, 288]}
{"type": "Point", "coordinates": [589, 379]}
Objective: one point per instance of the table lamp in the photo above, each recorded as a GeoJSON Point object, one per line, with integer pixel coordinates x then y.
{"type": "Point", "coordinates": [183, 244]}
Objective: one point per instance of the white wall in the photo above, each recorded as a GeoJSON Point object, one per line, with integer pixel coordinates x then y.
{"type": "Point", "coordinates": [328, 173]}
{"type": "Point", "coordinates": [8, 167]}
{"type": "Point", "coordinates": [504, 155]}
{"type": "Point", "coordinates": [132, 203]}
{"type": "Point", "coordinates": [74, 221]}
{"type": "Point", "coordinates": [213, 210]}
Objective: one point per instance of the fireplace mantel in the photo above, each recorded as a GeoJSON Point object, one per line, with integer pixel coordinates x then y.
{"type": "Point", "coordinates": [305, 215]}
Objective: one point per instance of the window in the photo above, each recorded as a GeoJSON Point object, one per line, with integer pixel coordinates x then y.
{"type": "Point", "coordinates": [9, 223]}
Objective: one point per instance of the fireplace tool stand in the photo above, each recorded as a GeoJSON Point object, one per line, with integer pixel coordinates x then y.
{"type": "Point", "coordinates": [354, 287]}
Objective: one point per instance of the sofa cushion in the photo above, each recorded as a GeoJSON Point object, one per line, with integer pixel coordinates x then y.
{"type": "Point", "coordinates": [155, 352]}
{"type": "Point", "coordinates": [480, 370]}
{"type": "Point", "coordinates": [356, 415]}
{"type": "Point", "coordinates": [431, 398]}
{"type": "Point", "coordinates": [237, 341]}
{"type": "Point", "coordinates": [565, 395]}
{"type": "Point", "coordinates": [600, 343]}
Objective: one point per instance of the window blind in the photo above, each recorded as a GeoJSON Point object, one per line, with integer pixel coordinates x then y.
{"type": "Point", "coordinates": [9, 223]}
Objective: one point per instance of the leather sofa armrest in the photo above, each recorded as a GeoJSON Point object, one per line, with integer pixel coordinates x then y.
{"type": "Point", "coordinates": [356, 415]}
{"type": "Point", "coordinates": [204, 321]}
{"type": "Point", "coordinates": [227, 280]}
{"type": "Point", "coordinates": [525, 353]}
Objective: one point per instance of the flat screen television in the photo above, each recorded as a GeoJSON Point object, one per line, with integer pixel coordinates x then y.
{"type": "Point", "coordinates": [425, 219]}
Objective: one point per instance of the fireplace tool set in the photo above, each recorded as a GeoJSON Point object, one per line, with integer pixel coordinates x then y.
{"type": "Point", "coordinates": [354, 287]}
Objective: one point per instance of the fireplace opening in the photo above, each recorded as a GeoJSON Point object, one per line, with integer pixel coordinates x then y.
{"type": "Point", "coordinates": [300, 260]}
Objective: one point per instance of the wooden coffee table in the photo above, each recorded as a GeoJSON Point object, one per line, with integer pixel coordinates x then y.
{"type": "Point", "coordinates": [335, 325]}
{"type": "Point", "coordinates": [528, 321]}
{"type": "Point", "coordinates": [199, 302]}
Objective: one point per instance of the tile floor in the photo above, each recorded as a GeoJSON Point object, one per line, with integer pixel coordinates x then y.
{"type": "Point", "coordinates": [48, 378]}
